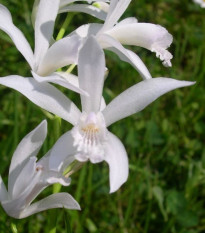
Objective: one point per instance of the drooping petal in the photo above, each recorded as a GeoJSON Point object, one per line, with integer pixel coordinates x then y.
{"type": "Point", "coordinates": [116, 157]}
{"type": "Point", "coordinates": [137, 97]}
{"type": "Point", "coordinates": [45, 96]}
{"type": "Point", "coordinates": [62, 53]}
{"type": "Point", "coordinates": [29, 146]}
{"type": "Point", "coordinates": [58, 200]}
{"type": "Point", "coordinates": [45, 19]}
{"type": "Point", "coordinates": [88, 9]}
{"type": "Point", "coordinates": [57, 79]}
{"type": "Point", "coordinates": [24, 178]}
{"type": "Point", "coordinates": [91, 71]}
{"type": "Point", "coordinates": [146, 35]}
{"type": "Point", "coordinates": [111, 44]}
{"type": "Point", "coordinates": [6, 24]}
{"type": "Point", "coordinates": [14, 207]}
{"type": "Point", "coordinates": [62, 152]}
{"type": "Point", "coordinates": [117, 8]}
{"type": "Point", "coordinates": [3, 191]}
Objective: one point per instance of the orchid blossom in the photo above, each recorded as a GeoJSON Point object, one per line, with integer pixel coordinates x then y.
{"type": "Point", "coordinates": [27, 178]}
{"type": "Point", "coordinates": [111, 35]}
{"type": "Point", "coordinates": [46, 59]}
{"type": "Point", "coordinates": [90, 139]}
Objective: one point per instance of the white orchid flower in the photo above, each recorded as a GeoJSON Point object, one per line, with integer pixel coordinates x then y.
{"type": "Point", "coordinates": [46, 59]}
{"type": "Point", "coordinates": [90, 139]}
{"type": "Point", "coordinates": [112, 35]}
{"type": "Point", "coordinates": [27, 178]}
{"type": "Point", "coordinates": [200, 2]}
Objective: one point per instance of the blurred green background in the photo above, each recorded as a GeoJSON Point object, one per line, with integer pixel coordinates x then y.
{"type": "Point", "coordinates": [165, 192]}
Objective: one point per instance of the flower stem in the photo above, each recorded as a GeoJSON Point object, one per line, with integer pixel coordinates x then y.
{"type": "Point", "coordinates": [64, 27]}
{"type": "Point", "coordinates": [71, 68]}
{"type": "Point", "coordinates": [74, 167]}
{"type": "Point", "coordinates": [57, 125]}
{"type": "Point", "coordinates": [14, 228]}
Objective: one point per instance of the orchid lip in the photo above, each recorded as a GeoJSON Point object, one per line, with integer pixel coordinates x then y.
{"type": "Point", "coordinates": [90, 135]}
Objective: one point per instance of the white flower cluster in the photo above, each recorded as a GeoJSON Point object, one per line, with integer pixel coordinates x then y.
{"type": "Point", "coordinates": [89, 140]}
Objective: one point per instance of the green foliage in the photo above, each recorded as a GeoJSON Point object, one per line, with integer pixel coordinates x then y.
{"type": "Point", "coordinates": [165, 191]}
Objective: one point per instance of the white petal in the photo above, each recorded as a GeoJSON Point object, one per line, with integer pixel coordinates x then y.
{"type": "Point", "coordinates": [127, 21]}
{"type": "Point", "coordinates": [49, 177]}
{"type": "Point", "coordinates": [102, 5]}
{"type": "Point", "coordinates": [45, 19]}
{"type": "Point", "coordinates": [14, 207]}
{"type": "Point", "coordinates": [81, 157]}
{"type": "Point", "coordinates": [102, 105]}
{"type": "Point", "coordinates": [91, 71]}
{"type": "Point", "coordinates": [3, 191]}
{"type": "Point", "coordinates": [117, 8]}
{"type": "Point", "coordinates": [146, 35]}
{"type": "Point", "coordinates": [87, 30]}
{"type": "Point", "coordinates": [62, 151]}
{"type": "Point", "coordinates": [66, 2]}
{"type": "Point", "coordinates": [137, 97]}
{"type": "Point", "coordinates": [6, 24]}
{"type": "Point", "coordinates": [58, 200]}
{"type": "Point", "coordinates": [62, 53]}
{"type": "Point", "coordinates": [91, 10]}
{"type": "Point", "coordinates": [126, 55]}
{"type": "Point", "coordinates": [45, 96]}
{"type": "Point", "coordinates": [24, 178]}
{"type": "Point", "coordinates": [57, 79]}
{"type": "Point", "coordinates": [29, 146]}
{"type": "Point", "coordinates": [53, 179]}
{"type": "Point", "coordinates": [71, 78]}
{"type": "Point", "coordinates": [116, 157]}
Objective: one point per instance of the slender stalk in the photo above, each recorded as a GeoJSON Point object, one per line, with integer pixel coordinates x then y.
{"type": "Point", "coordinates": [57, 132]}
{"type": "Point", "coordinates": [14, 228]}
{"type": "Point", "coordinates": [78, 194]}
{"type": "Point", "coordinates": [71, 68]}
{"type": "Point", "coordinates": [16, 116]}
{"type": "Point", "coordinates": [74, 168]}
{"type": "Point", "coordinates": [64, 27]}
{"type": "Point", "coordinates": [148, 216]}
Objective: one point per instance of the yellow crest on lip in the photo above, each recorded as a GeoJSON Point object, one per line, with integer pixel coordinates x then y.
{"type": "Point", "coordinates": [90, 128]}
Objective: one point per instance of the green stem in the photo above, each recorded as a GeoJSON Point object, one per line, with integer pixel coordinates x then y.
{"type": "Point", "coordinates": [71, 68]}
{"type": "Point", "coordinates": [75, 215]}
{"type": "Point", "coordinates": [16, 116]}
{"type": "Point", "coordinates": [74, 167]}
{"type": "Point", "coordinates": [57, 132]}
{"type": "Point", "coordinates": [148, 216]}
{"type": "Point", "coordinates": [14, 228]}
{"type": "Point", "coordinates": [64, 27]}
